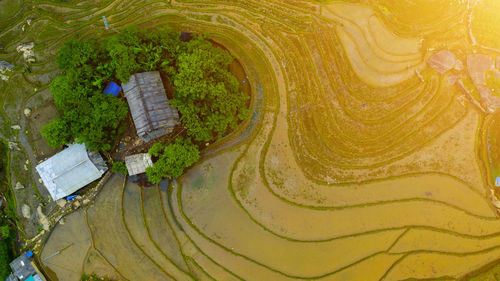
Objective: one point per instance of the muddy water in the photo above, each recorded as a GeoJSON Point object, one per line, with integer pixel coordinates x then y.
{"type": "Point", "coordinates": [493, 145]}
{"type": "Point", "coordinates": [416, 216]}
{"type": "Point", "coordinates": [359, 163]}
{"type": "Point", "coordinates": [50, 273]}
{"type": "Point", "coordinates": [68, 245]}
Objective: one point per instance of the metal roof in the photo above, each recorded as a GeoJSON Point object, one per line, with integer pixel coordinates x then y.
{"type": "Point", "coordinates": [137, 163]}
{"type": "Point", "coordinates": [22, 268]}
{"type": "Point", "coordinates": [68, 171]}
{"type": "Point", "coordinates": [153, 116]}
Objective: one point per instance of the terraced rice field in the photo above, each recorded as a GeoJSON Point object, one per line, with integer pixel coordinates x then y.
{"type": "Point", "coordinates": [360, 162]}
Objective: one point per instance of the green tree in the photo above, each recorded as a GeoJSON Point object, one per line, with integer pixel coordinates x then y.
{"type": "Point", "coordinates": [5, 257]}
{"type": "Point", "coordinates": [5, 231]}
{"type": "Point", "coordinates": [156, 149]}
{"type": "Point", "coordinates": [57, 133]}
{"type": "Point", "coordinates": [94, 121]}
{"type": "Point", "coordinates": [119, 167]}
{"type": "Point", "coordinates": [123, 55]}
{"type": "Point", "coordinates": [207, 95]}
{"type": "Point", "coordinates": [75, 53]}
{"type": "Point", "coordinates": [132, 51]}
{"type": "Point", "coordinates": [87, 115]}
{"type": "Point", "coordinates": [175, 158]}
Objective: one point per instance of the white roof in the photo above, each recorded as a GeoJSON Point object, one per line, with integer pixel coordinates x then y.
{"type": "Point", "coordinates": [68, 171]}
{"type": "Point", "coordinates": [137, 163]}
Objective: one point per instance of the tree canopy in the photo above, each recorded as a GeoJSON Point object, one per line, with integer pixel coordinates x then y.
{"type": "Point", "coordinates": [172, 159]}
{"type": "Point", "coordinates": [88, 115]}
{"type": "Point", "coordinates": [119, 167]}
{"type": "Point", "coordinates": [207, 95]}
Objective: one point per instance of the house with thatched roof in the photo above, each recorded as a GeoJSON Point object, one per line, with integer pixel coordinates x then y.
{"type": "Point", "coordinates": [153, 116]}
{"type": "Point", "coordinates": [70, 170]}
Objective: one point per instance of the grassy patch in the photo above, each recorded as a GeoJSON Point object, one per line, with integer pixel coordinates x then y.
{"type": "Point", "coordinates": [9, 8]}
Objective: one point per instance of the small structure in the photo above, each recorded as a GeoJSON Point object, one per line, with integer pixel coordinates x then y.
{"type": "Point", "coordinates": [137, 163]}
{"type": "Point", "coordinates": [70, 170]}
{"type": "Point", "coordinates": [497, 181]}
{"type": "Point", "coordinates": [23, 269]}
{"type": "Point", "coordinates": [112, 89]}
{"type": "Point", "coordinates": [5, 67]}
{"type": "Point", "coordinates": [442, 61]}
{"type": "Point", "coordinates": [153, 116]}
{"type": "Point", "coordinates": [27, 50]}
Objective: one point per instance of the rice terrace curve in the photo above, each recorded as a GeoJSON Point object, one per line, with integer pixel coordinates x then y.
{"type": "Point", "coordinates": [371, 152]}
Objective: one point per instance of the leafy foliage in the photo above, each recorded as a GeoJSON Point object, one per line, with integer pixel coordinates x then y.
{"type": "Point", "coordinates": [4, 260]}
{"type": "Point", "coordinates": [175, 158]}
{"type": "Point", "coordinates": [5, 231]}
{"type": "Point", "coordinates": [57, 132]}
{"type": "Point", "coordinates": [156, 149]}
{"type": "Point", "coordinates": [94, 120]}
{"type": "Point", "coordinates": [119, 167]}
{"type": "Point", "coordinates": [206, 94]}
{"type": "Point", "coordinates": [87, 115]}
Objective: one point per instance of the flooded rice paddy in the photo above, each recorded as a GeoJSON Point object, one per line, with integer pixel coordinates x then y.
{"type": "Point", "coordinates": [361, 161]}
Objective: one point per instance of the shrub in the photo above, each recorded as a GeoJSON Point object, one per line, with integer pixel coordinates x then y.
{"type": "Point", "coordinates": [119, 167]}
{"type": "Point", "coordinates": [206, 94]}
{"type": "Point", "coordinates": [4, 260]}
{"type": "Point", "coordinates": [173, 159]}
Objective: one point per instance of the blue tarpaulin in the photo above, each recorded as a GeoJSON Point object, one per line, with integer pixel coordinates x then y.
{"type": "Point", "coordinates": [112, 89]}
{"type": "Point", "coordinates": [29, 254]}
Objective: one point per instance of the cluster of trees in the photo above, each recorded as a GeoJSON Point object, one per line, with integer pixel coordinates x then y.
{"type": "Point", "coordinates": [87, 114]}
{"type": "Point", "coordinates": [172, 159]}
{"type": "Point", "coordinates": [208, 97]}
{"type": "Point", "coordinates": [210, 101]}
